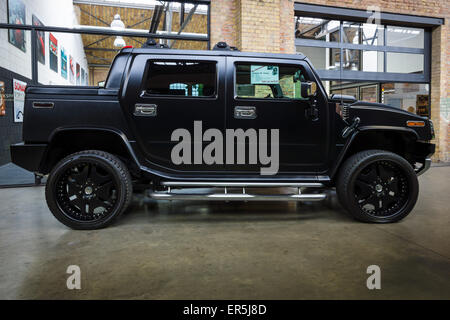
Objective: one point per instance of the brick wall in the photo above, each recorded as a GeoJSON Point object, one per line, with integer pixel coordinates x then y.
{"type": "Point", "coordinates": [268, 26]}
{"type": "Point", "coordinates": [224, 22]}
{"type": "Point", "coordinates": [254, 25]}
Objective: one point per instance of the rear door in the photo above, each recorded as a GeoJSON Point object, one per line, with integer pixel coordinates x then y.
{"type": "Point", "coordinates": [270, 93]}
{"type": "Point", "coordinates": [167, 93]}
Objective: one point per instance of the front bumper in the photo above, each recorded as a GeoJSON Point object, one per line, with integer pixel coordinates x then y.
{"type": "Point", "coordinates": [425, 150]}
{"type": "Point", "coordinates": [28, 156]}
{"type": "Point", "coordinates": [426, 165]}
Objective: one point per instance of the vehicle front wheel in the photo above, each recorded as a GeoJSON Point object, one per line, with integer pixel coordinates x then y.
{"type": "Point", "coordinates": [88, 190]}
{"type": "Point", "coordinates": [377, 186]}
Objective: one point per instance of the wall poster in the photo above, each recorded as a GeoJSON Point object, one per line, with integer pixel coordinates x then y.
{"type": "Point", "coordinates": [63, 63]}
{"type": "Point", "coordinates": [16, 15]}
{"type": "Point", "coordinates": [71, 70]}
{"type": "Point", "coordinates": [53, 52]}
{"type": "Point", "coordinates": [78, 74]}
{"type": "Point", "coordinates": [19, 99]}
{"type": "Point", "coordinates": [2, 99]}
{"type": "Point", "coordinates": [40, 40]}
{"type": "Point", "coordinates": [83, 75]}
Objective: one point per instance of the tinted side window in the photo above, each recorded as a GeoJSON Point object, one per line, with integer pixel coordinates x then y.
{"type": "Point", "coordinates": [181, 78]}
{"type": "Point", "coordinates": [269, 81]}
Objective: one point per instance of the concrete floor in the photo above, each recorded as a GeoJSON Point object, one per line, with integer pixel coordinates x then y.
{"type": "Point", "coordinates": [187, 250]}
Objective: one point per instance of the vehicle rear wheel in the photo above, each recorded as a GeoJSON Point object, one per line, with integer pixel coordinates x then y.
{"type": "Point", "coordinates": [377, 186]}
{"type": "Point", "coordinates": [88, 190]}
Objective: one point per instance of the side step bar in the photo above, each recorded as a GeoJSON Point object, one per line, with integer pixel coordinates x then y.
{"type": "Point", "coordinates": [180, 194]}
{"type": "Point", "coordinates": [241, 184]}
{"type": "Point", "coordinates": [236, 196]}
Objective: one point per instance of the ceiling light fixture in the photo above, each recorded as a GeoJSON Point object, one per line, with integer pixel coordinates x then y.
{"type": "Point", "coordinates": [118, 25]}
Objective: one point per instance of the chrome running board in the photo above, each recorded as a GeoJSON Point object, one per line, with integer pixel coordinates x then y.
{"type": "Point", "coordinates": [241, 184]}
{"type": "Point", "coordinates": [236, 196]}
{"type": "Point", "coordinates": [172, 193]}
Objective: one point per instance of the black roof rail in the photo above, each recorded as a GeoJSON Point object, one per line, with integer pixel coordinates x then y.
{"type": "Point", "coordinates": [223, 46]}
{"type": "Point", "coordinates": [151, 43]}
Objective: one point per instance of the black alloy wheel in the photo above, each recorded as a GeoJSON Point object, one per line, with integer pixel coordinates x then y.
{"type": "Point", "coordinates": [88, 190]}
{"type": "Point", "coordinates": [381, 188]}
{"type": "Point", "coordinates": [377, 186]}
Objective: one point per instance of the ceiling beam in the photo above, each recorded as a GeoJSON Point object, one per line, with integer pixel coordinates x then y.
{"type": "Point", "coordinates": [188, 18]}
{"type": "Point", "coordinates": [107, 31]}
{"type": "Point", "coordinates": [99, 58]}
{"type": "Point", "coordinates": [182, 9]}
{"type": "Point", "coordinates": [134, 5]}
{"type": "Point", "coordinates": [100, 49]}
{"type": "Point", "coordinates": [92, 16]}
{"type": "Point", "coordinates": [138, 23]}
{"type": "Point", "coordinates": [97, 41]}
{"type": "Point", "coordinates": [99, 65]}
{"type": "Point", "coordinates": [157, 13]}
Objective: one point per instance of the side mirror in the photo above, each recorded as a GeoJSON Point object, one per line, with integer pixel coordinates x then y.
{"type": "Point", "coordinates": [339, 98]}
{"type": "Point", "coordinates": [308, 89]}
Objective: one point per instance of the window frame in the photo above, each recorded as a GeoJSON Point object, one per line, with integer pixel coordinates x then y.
{"type": "Point", "coordinates": [143, 87]}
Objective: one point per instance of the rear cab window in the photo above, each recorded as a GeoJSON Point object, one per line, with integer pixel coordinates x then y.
{"type": "Point", "coordinates": [181, 78]}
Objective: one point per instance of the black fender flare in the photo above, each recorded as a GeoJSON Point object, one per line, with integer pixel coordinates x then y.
{"type": "Point", "coordinates": [117, 134]}
{"type": "Point", "coordinates": [363, 129]}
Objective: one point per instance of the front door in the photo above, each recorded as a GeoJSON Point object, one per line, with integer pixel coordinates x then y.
{"type": "Point", "coordinates": [174, 93]}
{"type": "Point", "coordinates": [268, 96]}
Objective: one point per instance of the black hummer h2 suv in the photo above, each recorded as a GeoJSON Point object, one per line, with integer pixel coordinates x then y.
{"type": "Point", "coordinates": [223, 121]}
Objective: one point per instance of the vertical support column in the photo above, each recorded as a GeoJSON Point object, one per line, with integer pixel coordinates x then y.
{"type": "Point", "coordinates": [440, 95]}
{"type": "Point", "coordinates": [208, 26]}
{"type": "Point", "coordinates": [341, 51]}
{"type": "Point", "coordinates": [34, 61]}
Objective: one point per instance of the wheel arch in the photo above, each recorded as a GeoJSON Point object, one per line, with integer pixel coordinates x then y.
{"type": "Point", "coordinates": [68, 140]}
{"type": "Point", "coordinates": [401, 141]}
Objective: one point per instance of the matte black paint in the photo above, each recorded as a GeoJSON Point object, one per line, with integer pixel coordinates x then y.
{"type": "Point", "coordinates": [311, 149]}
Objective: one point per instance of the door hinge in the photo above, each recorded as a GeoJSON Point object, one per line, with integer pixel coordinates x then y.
{"type": "Point", "coordinates": [312, 112]}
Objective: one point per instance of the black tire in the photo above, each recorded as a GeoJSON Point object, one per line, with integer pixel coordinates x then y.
{"type": "Point", "coordinates": [88, 190]}
{"type": "Point", "coordinates": [377, 186]}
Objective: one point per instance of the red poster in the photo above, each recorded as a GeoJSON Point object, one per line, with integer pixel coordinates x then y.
{"type": "Point", "coordinates": [53, 50]}
{"type": "Point", "coordinates": [78, 74]}
{"type": "Point", "coordinates": [2, 99]}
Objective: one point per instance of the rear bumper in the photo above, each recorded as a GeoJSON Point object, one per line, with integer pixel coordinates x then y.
{"type": "Point", "coordinates": [28, 156]}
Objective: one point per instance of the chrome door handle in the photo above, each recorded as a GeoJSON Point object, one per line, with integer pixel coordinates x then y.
{"type": "Point", "coordinates": [244, 112]}
{"type": "Point", "coordinates": [37, 104]}
{"type": "Point", "coordinates": [145, 110]}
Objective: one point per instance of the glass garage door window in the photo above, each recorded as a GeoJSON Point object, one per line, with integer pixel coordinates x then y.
{"type": "Point", "coordinates": [405, 37]}
{"type": "Point", "coordinates": [405, 63]}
